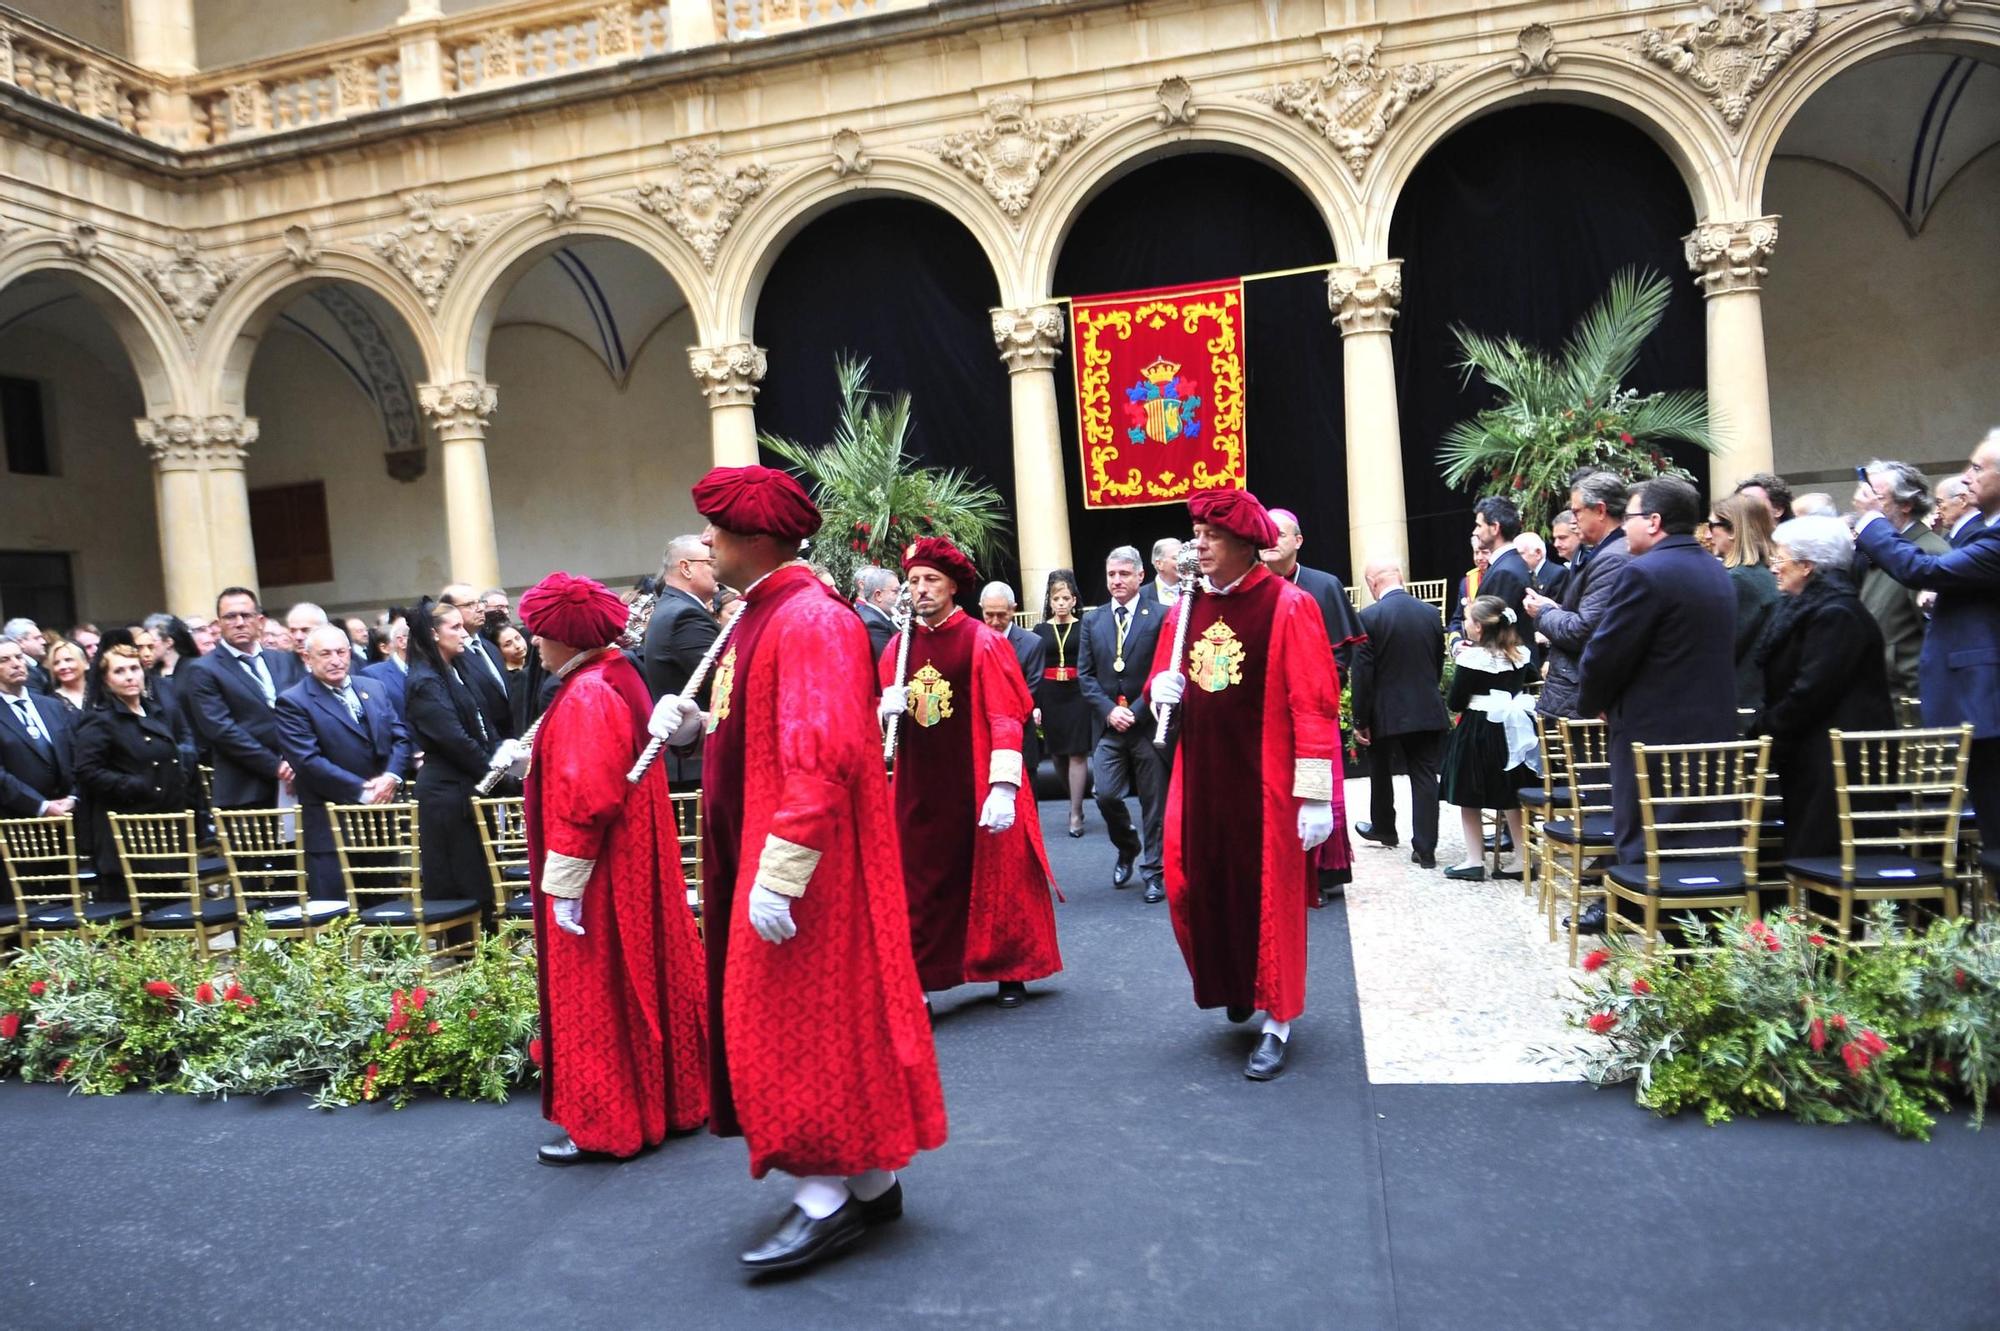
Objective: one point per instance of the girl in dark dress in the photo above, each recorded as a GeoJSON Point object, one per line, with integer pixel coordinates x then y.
{"type": "Point", "coordinates": [1481, 769]}
{"type": "Point", "coordinates": [445, 723]}
{"type": "Point", "coordinates": [1060, 708]}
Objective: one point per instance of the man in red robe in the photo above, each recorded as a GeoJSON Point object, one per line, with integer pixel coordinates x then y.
{"type": "Point", "coordinates": [819, 1053]}
{"type": "Point", "coordinates": [1256, 773]}
{"type": "Point", "coordinates": [977, 875]}
{"type": "Point", "coordinates": [624, 1042]}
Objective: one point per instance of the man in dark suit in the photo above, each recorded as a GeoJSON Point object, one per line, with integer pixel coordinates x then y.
{"type": "Point", "coordinates": [1906, 502]}
{"type": "Point", "coordinates": [36, 776]}
{"type": "Point", "coordinates": [1343, 625]}
{"type": "Point", "coordinates": [391, 671]}
{"type": "Point", "coordinates": [343, 742]}
{"type": "Point", "coordinates": [874, 599]}
{"type": "Point", "coordinates": [678, 635]}
{"type": "Point", "coordinates": [28, 635]}
{"type": "Point", "coordinates": [997, 607]}
{"type": "Point", "coordinates": [1118, 641]}
{"type": "Point", "coordinates": [1495, 524]}
{"type": "Point", "coordinates": [1958, 674]}
{"type": "Point", "coordinates": [1597, 501]}
{"type": "Point", "coordinates": [1399, 710]}
{"type": "Point", "coordinates": [480, 666]}
{"type": "Point", "coordinates": [1545, 575]}
{"type": "Point", "coordinates": [1661, 666]}
{"type": "Point", "coordinates": [231, 696]}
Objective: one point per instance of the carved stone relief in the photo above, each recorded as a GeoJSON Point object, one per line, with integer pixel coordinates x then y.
{"type": "Point", "coordinates": [1364, 298]}
{"type": "Point", "coordinates": [728, 374]}
{"type": "Point", "coordinates": [1009, 154]}
{"type": "Point", "coordinates": [850, 158]}
{"type": "Point", "coordinates": [427, 248]}
{"type": "Point", "coordinates": [183, 443]}
{"type": "Point", "coordinates": [1731, 56]}
{"type": "Point", "coordinates": [1355, 102]}
{"type": "Point", "coordinates": [189, 284]}
{"type": "Point", "coordinates": [1029, 337]}
{"type": "Point", "coordinates": [1176, 98]}
{"type": "Point", "coordinates": [700, 199]}
{"type": "Point", "coordinates": [1730, 256]}
{"type": "Point", "coordinates": [1536, 51]}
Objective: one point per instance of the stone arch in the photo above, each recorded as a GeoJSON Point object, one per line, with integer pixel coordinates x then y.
{"type": "Point", "coordinates": [1971, 32]}
{"type": "Point", "coordinates": [1596, 78]}
{"type": "Point", "coordinates": [489, 273]}
{"type": "Point", "coordinates": [153, 342]}
{"type": "Point", "coordinates": [804, 195]}
{"type": "Point", "coordinates": [1263, 136]}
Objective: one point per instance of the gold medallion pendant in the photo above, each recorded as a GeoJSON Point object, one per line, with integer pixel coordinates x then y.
{"type": "Point", "coordinates": [930, 697]}
{"type": "Point", "coordinates": [1215, 661]}
{"type": "Point", "coordinates": [1119, 665]}
{"type": "Point", "coordinates": [719, 690]}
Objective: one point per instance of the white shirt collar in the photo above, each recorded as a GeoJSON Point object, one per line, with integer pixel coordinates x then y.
{"type": "Point", "coordinates": [250, 655]}
{"type": "Point", "coordinates": [1224, 591]}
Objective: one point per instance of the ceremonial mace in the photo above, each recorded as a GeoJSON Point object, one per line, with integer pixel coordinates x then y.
{"type": "Point", "coordinates": [653, 746]}
{"type": "Point", "coordinates": [1188, 564]}
{"type": "Point", "coordinates": [906, 620]}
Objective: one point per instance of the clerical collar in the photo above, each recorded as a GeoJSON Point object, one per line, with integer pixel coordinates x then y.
{"type": "Point", "coordinates": [579, 661]}
{"type": "Point", "coordinates": [789, 563]}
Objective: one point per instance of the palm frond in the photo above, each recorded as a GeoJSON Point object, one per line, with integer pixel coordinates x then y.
{"type": "Point", "coordinates": [1682, 416]}
{"type": "Point", "coordinates": [1603, 348]}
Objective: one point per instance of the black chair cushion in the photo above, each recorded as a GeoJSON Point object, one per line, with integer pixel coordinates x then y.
{"type": "Point", "coordinates": [521, 907]}
{"type": "Point", "coordinates": [8, 916]}
{"type": "Point", "coordinates": [1596, 829]}
{"type": "Point", "coordinates": [315, 912]}
{"type": "Point", "coordinates": [1695, 878]}
{"type": "Point", "coordinates": [1869, 871]}
{"type": "Point", "coordinates": [514, 873]}
{"type": "Point", "coordinates": [64, 917]}
{"type": "Point", "coordinates": [211, 866]}
{"type": "Point", "coordinates": [400, 912]}
{"type": "Point", "coordinates": [181, 916]}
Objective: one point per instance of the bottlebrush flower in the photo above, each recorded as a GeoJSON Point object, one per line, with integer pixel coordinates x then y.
{"type": "Point", "coordinates": [1625, 437]}
{"type": "Point", "coordinates": [1839, 1022]}
{"type": "Point", "coordinates": [1596, 959]}
{"type": "Point", "coordinates": [38, 988]}
{"type": "Point", "coordinates": [1856, 1058]}
{"type": "Point", "coordinates": [1872, 1042]}
{"type": "Point", "coordinates": [418, 997]}
{"type": "Point", "coordinates": [1639, 986]}
{"type": "Point", "coordinates": [1600, 1022]}
{"type": "Point", "coordinates": [1958, 978]}
{"type": "Point", "coordinates": [10, 1026]}
{"type": "Point", "coordinates": [535, 1051]}
{"type": "Point", "coordinates": [368, 1082]}
{"type": "Point", "coordinates": [1816, 1036]}
{"type": "Point", "coordinates": [434, 1027]}
{"type": "Point", "coordinates": [204, 992]}
{"type": "Point", "coordinates": [161, 989]}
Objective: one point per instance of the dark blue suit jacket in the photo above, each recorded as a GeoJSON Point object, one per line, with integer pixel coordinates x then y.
{"type": "Point", "coordinates": [331, 755]}
{"type": "Point", "coordinates": [225, 706]}
{"type": "Point", "coordinates": [1958, 675]}
{"type": "Point", "coordinates": [30, 774]}
{"type": "Point", "coordinates": [390, 678]}
{"type": "Point", "coordinates": [1103, 685]}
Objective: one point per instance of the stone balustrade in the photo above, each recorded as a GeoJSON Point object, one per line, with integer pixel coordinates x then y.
{"type": "Point", "coordinates": [44, 63]}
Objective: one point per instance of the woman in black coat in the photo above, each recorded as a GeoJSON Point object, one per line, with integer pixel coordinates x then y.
{"type": "Point", "coordinates": [128, 755]}
{"type": "Point", "coordinates": [444, 722]}
{"type": "Point", "coordinates": [1823, 669]}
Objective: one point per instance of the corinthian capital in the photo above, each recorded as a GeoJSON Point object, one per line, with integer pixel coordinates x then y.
{"type": "Point", "coordinates": [728, 374]}
{"type": "Point", "coordinates": [1730, 256]}
{"type": "Point", "coordinates": [1364, 297]}
{"type": "Point", "coordinates": [1029, 337]}
{"type": "Point", "coordinates": [188, 443]}
{"type": "Point", "coordinates": [459, 409]}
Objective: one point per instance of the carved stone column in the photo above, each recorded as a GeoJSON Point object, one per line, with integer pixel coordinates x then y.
{"type": "Point", "coordinates": [729, 375]}
{"type": "Point", "coordinates": [1363, 298]}
{"type": "Point", "coordinates": [204, 506]}
{"type": "Point", "coordinates": [459, 410]}
{"type": "Point", "coordinates": [1028, 339]}
{"type": "Point", "coordinates": [1728, 261]}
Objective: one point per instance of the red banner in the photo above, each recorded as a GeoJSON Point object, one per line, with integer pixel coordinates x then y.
{"type": "Point", "coordinates": [1159, 393]}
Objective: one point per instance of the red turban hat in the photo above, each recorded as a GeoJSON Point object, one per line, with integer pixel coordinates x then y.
{"type": "Point", "coordinates": [756, 501]}
{"type": "Point", "coordinates": [575, 611]}
{"type": "Point", "coordinates": [938, 553]}
{"type": "Point", "coordinates": [1236, 512]}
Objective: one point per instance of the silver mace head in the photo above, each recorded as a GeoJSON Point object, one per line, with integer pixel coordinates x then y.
{"type": "Point", "coordinates": [1188, 562]}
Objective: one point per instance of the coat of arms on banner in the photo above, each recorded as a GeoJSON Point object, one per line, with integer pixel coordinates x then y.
{"type": "Point", "coordinates": [1162, 405]}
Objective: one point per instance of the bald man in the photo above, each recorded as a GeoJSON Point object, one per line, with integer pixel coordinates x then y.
{"type": "Point", "coordinates": [678, 635]}
{"type": "Point", "coordinates": [1398, 712]}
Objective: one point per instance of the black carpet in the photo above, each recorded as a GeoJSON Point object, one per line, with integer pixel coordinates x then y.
{"type": "Point", "coordinates": [1108, 1167]}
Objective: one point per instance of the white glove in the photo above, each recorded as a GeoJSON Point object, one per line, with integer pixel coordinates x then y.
{"type": "Point", "coordinates": [895, 702]}
{"type": "Point", "coordinates": [503, 756]}
{"type": "Point", "coordinates": [1315, 823]}
{"type": "Point", "coordinates": [512, 755]}
{"type": "Point", "coordinates": [997, 814]}
{"type": "Point", "coordinates": [567, 912]}
{"type": "Point", "coordinates": [771, 915]}
{"type": "Point", "coordinates": [676, 720]}
{"type": "Point", "coordinates": [1168, 686]}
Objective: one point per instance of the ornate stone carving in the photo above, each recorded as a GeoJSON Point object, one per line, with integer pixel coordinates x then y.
{"type": "Point", "coordinates": [1356, 100]}
{"type": "Point", "coordinates": [1536, 51]}
{"type": "Point", "coordinates": [502, 49]}
{"type": "Point", "coordinates": [459, 409]}
{"type": "Point", "coordinates": [700, 199]}
{"type": "Point", "coordinates": [849, 157]}
{"type": "Point", "coordinates": [1029, 337]}
{"type": "Point", "coordinates": [1926, 11]}
{"type": "Point", "coordinates": [1364, 298]}
{"type": "Point", "coordinates": [728, 374]}
{"type": "Point", "coordinates": [80, 242]}
{"type": "Point", "coordinates": [1729, 256]}
{"type": "Point", "coordinates": [614, 31]}
{"type": "Point", "coordinates": [354, 82]}
{"type": "Point", "coordinates": [558, 199]}
{"type": "Point", "coordinates": [1176, 98]}
{"type": "Point", "coordinates": [427, 248]}
{"type": "Point", "coordinates": [1732, 56]}
{"type": "Point", "coordinates": [300, 246]}
{"type": "Point", "coordinates": [183, 443]}
{"type": "Point", "coordinates": [1008, 156]}
{"type": "Point", "coordinates": [189, 283]}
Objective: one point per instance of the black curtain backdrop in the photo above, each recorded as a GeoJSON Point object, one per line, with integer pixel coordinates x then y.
{"type": "Point", "coordinates": [905, 285]}
{"type": "Point", "coordinates": [1195, 218]}
{"type": "Point", "coordinates": [1515, 225]}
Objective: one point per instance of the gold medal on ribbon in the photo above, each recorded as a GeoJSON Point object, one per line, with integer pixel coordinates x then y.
{"type": "Point", "coordinates": [1119, 665]}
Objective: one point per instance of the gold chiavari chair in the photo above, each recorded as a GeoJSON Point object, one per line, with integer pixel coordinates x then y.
{"type": "Point", "coordinates": [1432, 592]}
{"type": "Point", "coordinates": [1539, 803]}
{"type": "Point", "coordinates": [50, 892]}
{"type": "Point", "coordinates": [1909, 712]}
{"type": "Point", "coordinates": [266, 855]}
{"type": "Point", "coordinates": [165, 874]}
{"type": "Point", "coordinates": [687, 825]}
{"type": "Point", "coordinates": [1701, 809]}
{"type": "Point", "coordinates": [380, 863]}
{"type": "Point", "coordinates": [1582, 832]}
{"type": "Point", "coordinates": [1900, 795]}
{"type": "Point", "coordinates": [503, 835]}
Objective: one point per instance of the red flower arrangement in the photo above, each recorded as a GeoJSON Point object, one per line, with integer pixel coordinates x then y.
{"type": "Point", "coordinates": [1601, 1022]}
{"type": "Point", "coordinates": [1639, 986]}
{"type": "Point", "coordinates": [10, 1026]}
{"type": "Point", "coordinates": [1596, 959]}
{"type": "Point", "coordinates": [161, 989]}
{"type": "Point", "coordinates": [38, 988]}
{"type": "Point", "coordinates": [204, 992]}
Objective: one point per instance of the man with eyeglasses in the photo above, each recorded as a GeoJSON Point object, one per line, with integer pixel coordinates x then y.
{"type": "Point", "coordinates": [1597, 508]}
{"type": "Point", "coordinates": [481, 668]}
{"type": "Point", "coordinates": [678, 636]}
{"type": "Point", "coordinates": [231, 698]}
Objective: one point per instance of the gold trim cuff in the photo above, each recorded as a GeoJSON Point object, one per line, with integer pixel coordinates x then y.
{"type": "Point", "coordinates": [1312, 779]}
{"type": "Point", "coordinates": [1004, 765]}
{"type": "Point", "coordinates": [786, 867]}
{"type": "Point", "coordinates": [566, 876]}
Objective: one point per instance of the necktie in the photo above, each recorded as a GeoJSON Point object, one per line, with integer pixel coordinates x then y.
{"type": "Point", "coordinates": [29, 721]}
{"type": "Point", "coordinates": [353, 703]}
{"type": "Point", "coordinates": [255, 665]}
{"type": "Point", "coordinates": [1121, 618]}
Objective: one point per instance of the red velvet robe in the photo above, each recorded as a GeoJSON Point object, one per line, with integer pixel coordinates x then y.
{"type": "Point", "coordinates": [979, 900]}
{"type": "Point", "coordinates": [1259, 725]}
{"type": "Point", "coordinates": [624, 1033]}
{"type": "Point", "coordinates": [820, 1051]}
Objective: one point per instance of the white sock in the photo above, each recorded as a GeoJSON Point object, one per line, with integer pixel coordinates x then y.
{"type": "Point", "coordinates": [872, 1184]}
{"type": "Point", "coordinates": [820, 1195]}
{"type": "Point", "coordinates": [1281, 1029]}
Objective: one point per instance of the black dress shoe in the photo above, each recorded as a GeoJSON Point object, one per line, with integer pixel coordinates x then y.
{"type": "Point", "coordinates": [1011, 993]}
{"type": "Point", "coordinates": [887, 1207]}
{"type": "Point", "coordinates": [1267, 1060]}
{"type": "Point", "coordinates": [1121, 873]}
{"type": "Point", "coordinates": [1423, 861]}
{"type": "Point", "coordinates": [1156, 890]}
{"type": "Point", "coordinates": [1366, 831]}
{"type": "Point", "coordinates": [1591, 921]}
{"type": "Point", "coordinates": [1237, 1015]}
{"type": "Point", "coordinates": [800, 1239]}
{"type": "Point", "coordinates": [563, 1151]}
{"type": "Point", "coordinates": [1076, 829]}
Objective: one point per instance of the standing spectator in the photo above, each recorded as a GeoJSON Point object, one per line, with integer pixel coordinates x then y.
{"type": "Point", "coordinates": [231, 696]}
{"type": "Point", "coordinates": [1468, 589]}
{"type": "Point", "coordinates": [85, 635]}
{"type": "Point", "coordinates": [874, 599]}
{"type": "Point", "coordinates": [1815, 504]}
{"type": "Point", "coordinates": [1823, 666]}
{"type": "Point", "coordinates": [1740, 535]}
{"type": "Point", "coordinates": [447, 724]}
{"type": "Point", "coordinates": [1958, 674]}
{"type": "Point", "coordinates": [1661, 666]}
{"type": "Point", "coordinates": [1906, 502]}
{"type": "Point", "coordinates": [205, 632]}
{"type": "Point", "coordinates": [394, 667]}
{"type": "Point", "coordinates": [300, 621]}
{"type": "Point", "coordinates": [1061, 710]}
{"type": "Point", "coordinates": [678, 636]}
{"type": "Point", "coordinates": [1495, 524]}
{"type": "Point", "coordinates": [1772, 490]}
{"type": "Point", "coordinates": [1565, 537]}
{"type": "Point", "coordinates": [70, 669]}
{"type": "Point", "coordinates": [37, 775]}
{"type": "Point", "coordinates": [1398, 711]}
{"type": "Point", "coordinates": [128, 755]}
{"type": "Point", "coordinates": [494, 609]}
{"type": "Point", "coordinates": [1597, 499]}
{"type": "Point", "coordinates": [1485, 758]}
{"type": "Point", "coordinates": [997, 606]}
{"type": "Point", "coordinates": [1165, 588]}
{"type": "Point", "coordinates": [1544, 574]}
{"type": "Point", "coordinates": [1117, 655]}
{"type": "Point", "coordinates": [35, 644]}
{"type": "Point", "coordinates": [360, 641]}
{"type": "Point", "coordinates": [276, 638]}
{"type": "Point", "coordinates": [513, 648]}
{"type": "Point", "coordinates": [1954, 508]}
{"type": "Point", "coordinates": [481, 666]}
